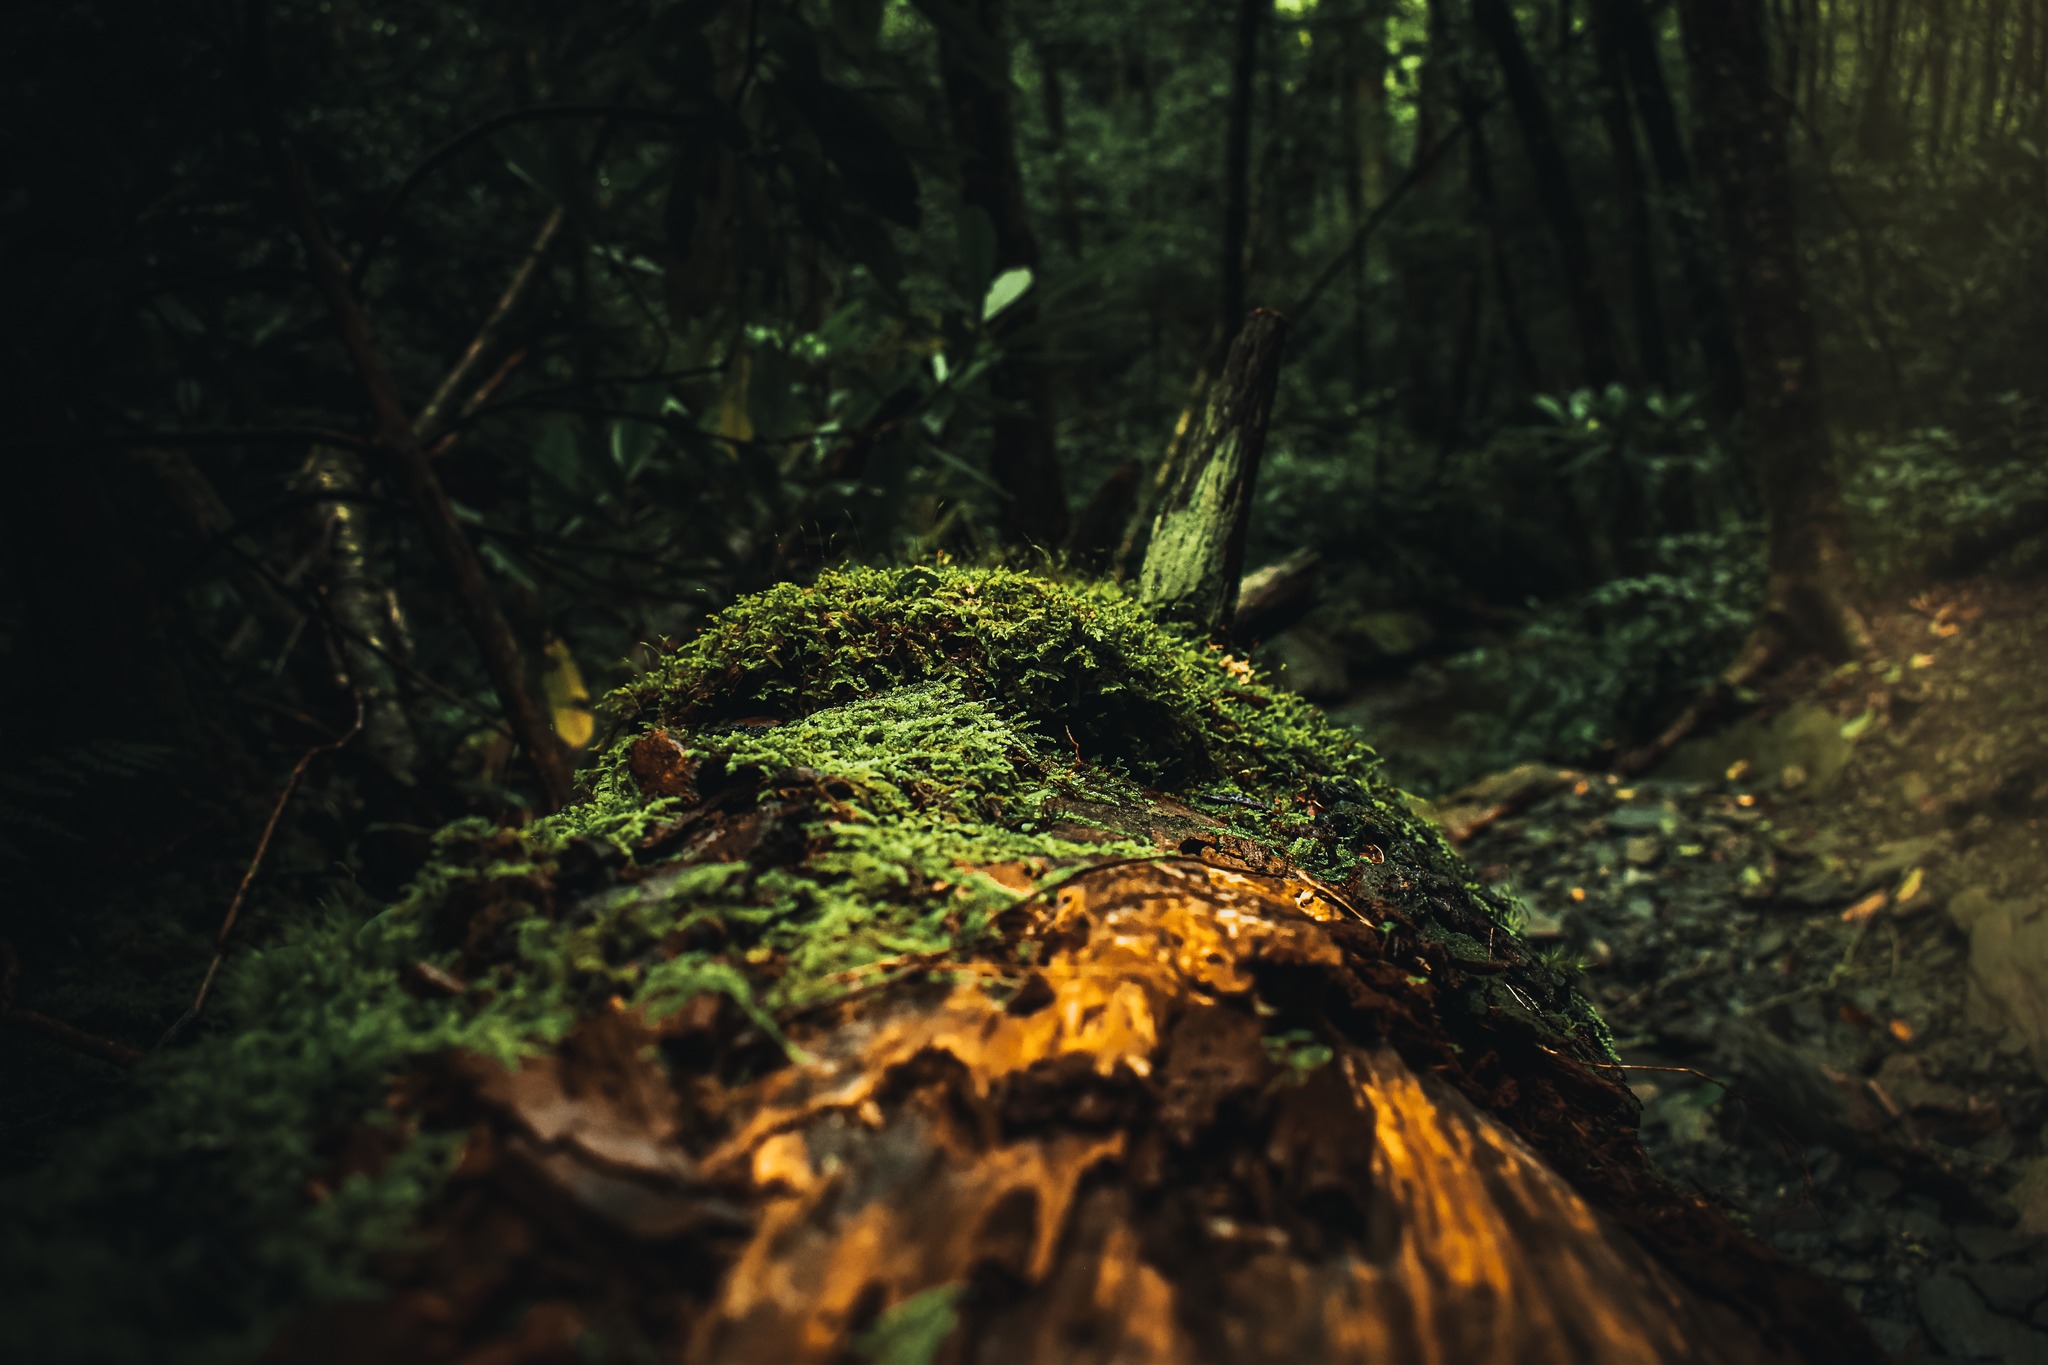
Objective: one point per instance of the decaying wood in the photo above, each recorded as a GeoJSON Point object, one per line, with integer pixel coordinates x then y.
{"type": "Point", "coordinates": [1118, 1152]}
{"type": "Point", "coordinates": [1196, 553]}
{"type": "Point", "coordinates": [1271, 599]}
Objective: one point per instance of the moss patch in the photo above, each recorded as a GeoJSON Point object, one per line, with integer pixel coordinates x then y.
{"type": "Point", "coordinates": [930, 728]}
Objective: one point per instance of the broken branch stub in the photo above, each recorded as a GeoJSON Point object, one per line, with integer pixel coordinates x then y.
{"type": "Point", "coordinates": [1196, 553]}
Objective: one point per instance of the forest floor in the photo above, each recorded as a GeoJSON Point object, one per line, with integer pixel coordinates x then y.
{"type": "Point", "coordinates": [1818, 937]}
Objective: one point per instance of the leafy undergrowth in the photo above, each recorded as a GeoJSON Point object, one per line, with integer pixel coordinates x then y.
{"type": "Point", "coordinates": [834, 785]}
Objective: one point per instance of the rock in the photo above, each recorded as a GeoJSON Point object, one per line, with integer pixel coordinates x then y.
{"type": "Point", "coordinates": [2011, 1289]}
{"type": "Point", "coordinates": [1993, 1244]}
{"type": "Point", "coordinates": [1393, 634]}
{"type": "Point", "coordinates": [2009, 970]}
{"type": "Point", "coordinates": [1859, 1231]}
{"type": "Point", "coordinates": [1309, 664]}
{"type": "Point", "coordinates": [1963, 1327]}
{"type": "Point", "coordinates": [1662, 819]}
{"type": "Point", "coordinates": [1894, 1336]}
{"type": "Point", "coordinates": [1969, 905]}
{"type": "Point", "coordinates": [1922, 1226]}
{"type": "Point", "coordinates": [2030, 1197]}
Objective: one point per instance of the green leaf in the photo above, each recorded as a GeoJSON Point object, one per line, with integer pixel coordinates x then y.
{"type": "Point", "coordinates": [1005, 290]}
{"type": "Point", "coordinates": [912, 1332]}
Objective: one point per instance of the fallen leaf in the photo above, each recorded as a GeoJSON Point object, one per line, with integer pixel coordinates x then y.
{"type": "Point", "coordinates": [1865, 908]}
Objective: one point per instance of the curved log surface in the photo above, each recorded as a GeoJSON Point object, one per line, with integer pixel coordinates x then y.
{"type": "Point", "coordinates": [1127, 1152]}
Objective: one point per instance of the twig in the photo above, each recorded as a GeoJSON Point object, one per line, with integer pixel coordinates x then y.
{"type": "Point", "coordinates": [227, 925]}
{"type": "Point", "coordinates": [477, 399]}
{"type": "Point", "coordinates": [429, 420]}
{"type": "Point", "coordinates": [77, 1039]}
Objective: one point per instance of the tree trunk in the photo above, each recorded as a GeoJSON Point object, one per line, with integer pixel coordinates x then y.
{"type": "Point", "coordinates": [1711, 328]}
{"type": "Point", "coordinates": [1630, 184]}
{"type": "Point", "coordinates": [1196, 553]}
{"type": "Point", "coordinates": [1742, 136]}
{"type": "Point", "coordinates": [360, 617]}
{"type": "Point", "coordinates": [1024, 459]}
{"type": "Point", "coordinates": [1052, 81]}
{"type": "Point", "coordinates": [1580, 278]}
{"type": "Point", "coordinates": [1252, 18]}
{"type": "Point", "coordinates": [1877, 134]}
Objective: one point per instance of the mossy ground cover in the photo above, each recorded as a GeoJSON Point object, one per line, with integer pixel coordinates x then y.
{"type": "Point", "coordinates": [860, 753]}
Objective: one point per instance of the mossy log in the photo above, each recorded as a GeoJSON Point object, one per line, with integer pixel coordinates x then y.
{"type": "Point", "coordinates": [941, 966]}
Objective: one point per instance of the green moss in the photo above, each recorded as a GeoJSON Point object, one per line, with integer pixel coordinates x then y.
{"type": "Point", "coordinates": [931, 723]}
{"type": "Point", "coordinates": [1078, 664]}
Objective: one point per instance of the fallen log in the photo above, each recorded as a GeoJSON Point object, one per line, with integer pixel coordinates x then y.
{"type": "Point", "coordinates": [940, 966]}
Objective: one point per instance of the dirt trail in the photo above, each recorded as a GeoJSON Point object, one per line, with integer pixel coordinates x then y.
{"type": "Point", "coordinates": [1819, 940]}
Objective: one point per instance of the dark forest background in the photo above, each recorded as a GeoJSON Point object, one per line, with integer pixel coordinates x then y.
{"type": "Point", "coordinates": [402, 374]}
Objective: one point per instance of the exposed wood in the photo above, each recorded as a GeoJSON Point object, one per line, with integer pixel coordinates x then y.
{"type": "Point", "coordinates": [1196, 553]}
{"type": "Point", "coordinates": [1275, 597]}
{"type": "Point", "coordinates": [1103, 1159]}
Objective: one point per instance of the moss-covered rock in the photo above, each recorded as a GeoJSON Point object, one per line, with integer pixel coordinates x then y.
{"type": "Point", "coordinates": [857, 780]}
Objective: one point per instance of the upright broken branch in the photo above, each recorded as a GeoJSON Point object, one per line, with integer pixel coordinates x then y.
{"type": "Point", "coordinates": [1196, 554]}
{"type": "Point", "coordinates": [399, 439]}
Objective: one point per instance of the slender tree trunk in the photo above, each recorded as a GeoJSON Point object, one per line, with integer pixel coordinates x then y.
{"type": "Point", "coordinates": [1742, 136]}
{"type": "Point", "coordinates": [1940, 39]}
{"type": "Point", "coordinates": [1581, 277]}
{"type": "Point", "coordinates": [357, 602]}
{"type": "Point", "coordinates": [1654, 354]}
{"type": "Point", "coordinates": [1052, 82]}
{"type": "Point", "coordinates": [1712, 329]}
{"type": "Point", "coordinates": [1528, 371]}
{"type": "Point", "coordinates": [1876, 135]}
{"type": "Point", "coordinates": [1024, 460]}
{"type": "Point", "coordinates": [1994, 69]}
{"type": "Point", "coordinates": [1252, 18]}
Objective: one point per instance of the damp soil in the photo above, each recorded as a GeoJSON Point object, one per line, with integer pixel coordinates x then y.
{"type": "Point", "coordinates": [1819, 939]}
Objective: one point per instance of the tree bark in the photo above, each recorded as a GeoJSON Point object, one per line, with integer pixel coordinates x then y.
{"type": "Point", "coordinates": [1024, 455]}
{"type": "Point", "coordinates": [1196, 554]}
{"type": "Point", "coordinates": [1630, 184]}
{"type": "Point", "coordinates": [1252, 17]}
{"type": "Point", "coordinates": [1591, 323]}
{"type": "Point", "coordinates": [1742, 136]}
{"type": "Point", "coordinates": [357, 602]}
{"type": "Point", "coordinates": [1712, 330]}
{"type": "Point", "coordinates": [1052, 80]}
